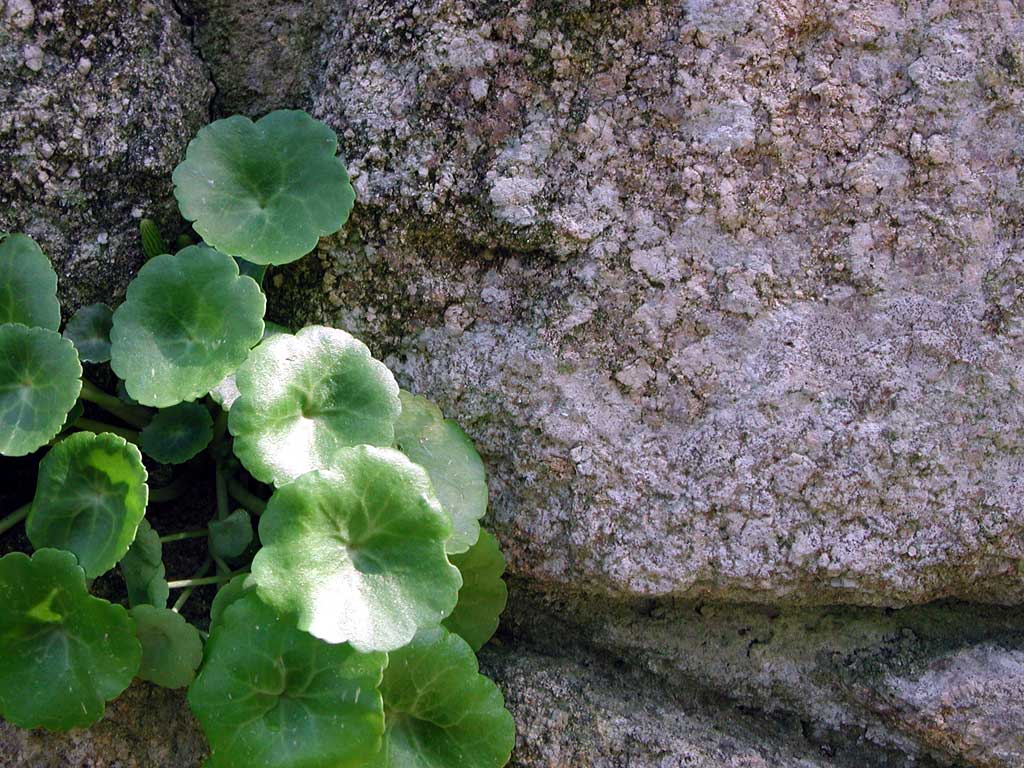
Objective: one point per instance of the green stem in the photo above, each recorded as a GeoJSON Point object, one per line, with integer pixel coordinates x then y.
{"type": "Point", "coordinates": [183, 535]}
{"type": "Point", "coordinates": [137, 416]}
{"type": "Point", "coordinates": [253, 503]}
{"type": "Point", "coordinates": [169, 492]}
{"type": "Point", "coordinates": [92, 425]}
{"type": "Point", "coordinates": [202, 582]}
{"type": "Point", "coordinates": [14, 518]}
{"type": "Point", "coordinates": [184, 596]}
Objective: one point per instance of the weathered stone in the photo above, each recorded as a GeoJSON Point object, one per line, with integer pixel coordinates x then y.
{"type": "Point", "coordinates": [97, 102]}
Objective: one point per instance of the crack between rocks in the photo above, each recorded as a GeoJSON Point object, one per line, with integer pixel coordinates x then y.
{"type": "Point", "coordinates": [188, 21]}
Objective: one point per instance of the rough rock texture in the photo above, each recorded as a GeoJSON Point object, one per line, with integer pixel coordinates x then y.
{"type": "Point", "coordinates": [728, 292]}
{"type": "Point", "coordinates": [97, 102]}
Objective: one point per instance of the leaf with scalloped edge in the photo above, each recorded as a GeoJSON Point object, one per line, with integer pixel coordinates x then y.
{"type": "Point", "coordinates": [40, 378]}
{"type": "Point", "coordinates": [171, 647]}
{"type": "Point", "coordinates": [231, 536]}
{"type": "Point", "coordinates": [28, 284]}
{"type": "Point", "coordinates": [305, 399]}
{"type": "Point", "coordinates": [187, 322]}
{"type": "Point", "coordinates": [142, 569]}
{"type": "Point", "coordinates": [483, 595]}
{"type": "Point", "coordinates": [272, 696]}
{"type": "Point", "coordinates": [66, 653]}
{"type": "Point", "coordinates": [228, 594]}
{"type": "Point", "coordinates": [358, 551]}
{"type": "Point", "coordinates": [89, 330]}
{"type": "Point", "coordinates": [90, 498]}
{"type": "Point", "coordinates": [441, 447]}
{"type": "Point", "coordinates": [178, 433]}
{"type": "Point", "coordinates": [265, 191]}
{"type": "Point", "coordinates": [225, 393]}
{"type": "Point", "coordinates": [439, 711]}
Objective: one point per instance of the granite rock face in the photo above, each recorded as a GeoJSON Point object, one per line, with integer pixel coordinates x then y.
{"type": "Point", "coordinates": [729, 294]}
{"type": "Point", "coordinates": [97, 102]}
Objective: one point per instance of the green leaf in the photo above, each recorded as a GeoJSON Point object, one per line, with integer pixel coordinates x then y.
{"type": "Point", "coordinates": [143, 569]}
{"type": "Point", "coordinates": [358, 552]}
{"type": "Point", "coordinates": [265, 191]}
{"type": "Point", "coordinates": [271, 696]}
{"type": "Point", "coordinates": [225, 393]}
{"type": "Point", "coordinates": [152, 241]}
{"type": "Point", "coordinates": [171, 647]}
{"type": "Point", "coordinates": [89, 330]}
{"type": "Point", "coordinates": [256, 271]}
{"type": "Point", "coordinates": [66, 653]}
{"type": "Point", "coordinates": [305, 399]}
{"type": "Point", "coordinates": [441, 447]}
{"type": "Point", "coordinates": [228, 594]}
{"type": "Point", "coordinates": [439, 711]}
{"type": "Point", "coordinates": [187, 322]}
{"type": "Point", "coordinates": [178, 433]}
{"type": "Point", "coordinates": [231, 536]}
{"type": "Point", "coordinates": [483, 595]}
{"type": "Point", "coordinates": [90, 497]}
{"type": "Point", "coordinates": [40, 378]}
{"type": "Point", "coordinates": [28, 284]}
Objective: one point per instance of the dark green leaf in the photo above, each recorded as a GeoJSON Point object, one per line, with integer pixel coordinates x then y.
{"type": "Point", "coordinates": [89, 330]}
{"type": "Point", "coordinates": [66, 653]}
{"type": "Point", "coordinates": [265, 191]}
{"type": "Point", "coordinates": [40, 378]}
{"type": "Point", "coordinates": [439, 711]}
{"type": "Point", "coordinates": [231, 536]}
{"type": "Point", "coordinates": [90, 497]}
{"type": "Point", "coordinates": [228, 594]}
{"type": "Point", "coordinates": [187, 322]}
{"type": "Point", "coordinates": [271, 696]}
{"type": "Point", "coordinates": [483, 595]}
{"type": "Point", "coordinates": [439, 446]}
{"type": "Point", "coordinates": [152, 241]}
{"type": "Point", "coordinates": [358, 552]}
{"type": "Point", "coordinates": [143, 569]}
{"type": "Point", "coordinates": [171, 647]}
{"type": "Point", "coordinates": [28, 284]}
{"type": "Point", "coordinates": [305, 399]}
{"type": "Point", "coordinates": [178, 433]}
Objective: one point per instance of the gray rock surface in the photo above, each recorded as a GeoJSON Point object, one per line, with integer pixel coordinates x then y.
{"type": "Point", "coordinates": [97, 102]}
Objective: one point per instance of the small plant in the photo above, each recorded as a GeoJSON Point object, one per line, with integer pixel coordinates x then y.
{"type": "Point", "coordinates": [345, 624]}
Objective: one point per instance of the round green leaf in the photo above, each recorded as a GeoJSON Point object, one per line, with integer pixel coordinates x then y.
{"type": "Point", "coordinates": [269, 695]}
{"type": "Point", "coordinates": [305, 399]}
{"type": "Point", "coordinates": [441, 447]}
{"type": "Point", "coordinates": [90, 497]}
{"type": "Point", "coordinates": [358, 552]}
{"type": "Point", "coordinates": [228, 594]}
{"type": "Point", "coordinates": [231, 536]}
{"type": "Point", "coordinates": [483, 595]}
{"type": "Point", "coordinates": [40, 378]}
{"type": "Point", "coordinates": [265, 191]}
{"type": "Point", "coordinates": [66, 653]}
{"type": "Point", "coordinates": [178, 433]}
{"type": "Point", "coordinates": [143, 569]}
{"type": "Point", "coordinates": [28, 284]}
{"type": "Point", "coordinates": [187, 322]}
{"type": "Point", "coordinates": [439, 711]}
{"type": "Point", "coordinates": [225, 393]}
{"type": "Point", "coordinates": [171, 647]}
{"type": "Point", "coordinates": [89, 330]}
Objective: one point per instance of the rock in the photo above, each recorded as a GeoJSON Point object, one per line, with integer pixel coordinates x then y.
{"type": "Point", "coordinates": [146, 727]}
{"type": "Point", "coordinates": [698, 243]}
{"type": "Point", "coordinates": [97, 102]}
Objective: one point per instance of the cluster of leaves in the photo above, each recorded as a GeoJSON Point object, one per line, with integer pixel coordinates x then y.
{"type": "Point", "coordinates": [344, 628]}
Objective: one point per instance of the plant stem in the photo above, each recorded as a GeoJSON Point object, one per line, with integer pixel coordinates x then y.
{"type": "Point", "coordinates": [91, 425]}
{"type": "Point", "coordinates": [183, 535]}
{"type": "Point", "coordinates": [184, 596]}
{"type": "Point", "coordinates": [253, 503]}
{"type": "Point", "coordinates": [14, 518]}
{"type": "Point", "coordinates": [137, 416]}
{"type": "Point", "coordinates": [169, 492]}
{"type": "Point", "coordinates": [203, 581]}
